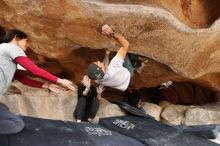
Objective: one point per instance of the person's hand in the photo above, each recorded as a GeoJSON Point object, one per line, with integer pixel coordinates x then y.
{"type": "Point", "coordinates": [100, 89]}
{"type": "Point", "coordinates": [106, 30]}
{"type": "Point", "coordinates": [88, 85]}
{"type": "Point", "coordinates": [86, 82]}
{"type": "Point", "coordinates": [66, 83]}
{"type": "Point", "coordinates": [53, 87]}
{"type": "Point", "coordinates": [107, 51]}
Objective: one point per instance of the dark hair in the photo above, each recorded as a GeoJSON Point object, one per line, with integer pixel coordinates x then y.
{"type": "Point", "coordinates": [10, 34]}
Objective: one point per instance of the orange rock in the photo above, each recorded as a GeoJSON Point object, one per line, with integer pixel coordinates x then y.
{"type": "Point", "coordinates": [165, 31]}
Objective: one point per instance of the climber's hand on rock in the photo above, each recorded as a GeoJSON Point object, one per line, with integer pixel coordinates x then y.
{"type": "Point", "coordinates": [107, 51]}
{"type": "Point", "coordinates": [106, 30]}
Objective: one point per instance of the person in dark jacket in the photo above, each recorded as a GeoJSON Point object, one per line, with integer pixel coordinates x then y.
{"type": "Point", "coordinates": [88, 100]}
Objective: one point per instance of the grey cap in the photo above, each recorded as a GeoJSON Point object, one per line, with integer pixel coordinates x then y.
{"type": "Point", "coordinates": [94, 72]}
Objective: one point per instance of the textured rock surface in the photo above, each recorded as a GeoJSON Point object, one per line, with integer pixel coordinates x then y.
{"type": "Point", "coordinates": [164, 104]}
{"type": "Point", "coordinates": [174, 114]}
{"type": "Point", "coordinates": [153, 110]}
{"type": "Point", "coordinates": [191, 115]}
{"type": "Point", "coordinates": [207, 114]}
{"type": "Point", "coordinates": [108, 110]}
{"type": "Point", "coordinates": [41, 103]}
{"type": "Point", "coordinates": [44, 104]}
{"type": "Point", "coordinates": [158, 29]}
{"type": "Point", "coordinates": [195, 13]}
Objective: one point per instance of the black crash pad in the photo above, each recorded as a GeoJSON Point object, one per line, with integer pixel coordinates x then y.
{"type": "Point", "coordinates": [131, 110]}
{"type": "Point", "coordinates": [205, 131]}
{"type": "Point", "coordinates": [151, 132]}
{"type": "Point", "coordinates": [41, 132]}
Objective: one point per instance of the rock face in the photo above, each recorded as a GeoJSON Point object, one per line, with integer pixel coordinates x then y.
{"type": "Point", "coordinates": [195, 13]}
{"type": "Point", "coordinates": [174, 114]}
{"type": "Point", "coordinates": [209, 114]}
{"type": "Point", "coordinates": [44, 104]}
{"type": "Point", "coordinates": [108, 110]}
{"type": "Point", "coordinates": [153, 110]}
{"type": "Point", "coordinates": [60, 106]}
{"type": "Point", "coordinates": [41, 103]}
{"type": "Point", "coordinates": [162, 30]}
{"type": "Point", "coordinates": [191, 115]}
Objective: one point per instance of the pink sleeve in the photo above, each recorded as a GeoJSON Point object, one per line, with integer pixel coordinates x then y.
{"type": "Point", "coordinates": [25, 80]}
{"type": "Point", "coordinates": [34, 69]}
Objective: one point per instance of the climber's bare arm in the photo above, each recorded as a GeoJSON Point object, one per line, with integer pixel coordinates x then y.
{"type": "Point", "coordinates": [106, 30]}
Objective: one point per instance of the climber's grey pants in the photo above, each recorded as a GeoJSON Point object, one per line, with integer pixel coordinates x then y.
{"type": "Point", "coordinates": [9, 122]}
{"type": "Point", "coordinates": [127, 64]}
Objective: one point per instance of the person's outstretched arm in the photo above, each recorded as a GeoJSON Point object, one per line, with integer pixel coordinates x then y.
{"type": "Point", "coordinates": [26, 63]}
{"type": "Point", "coordinates": [21, 77]}
{"type": "Point", "coordinates": [106, 58]}
{"type": "Point", "coordinates": [119, 38]}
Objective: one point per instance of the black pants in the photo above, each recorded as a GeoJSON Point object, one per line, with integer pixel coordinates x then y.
{"type": "Point", "coordinates": [9, 122]}
{"type": "Point", "coordinates": [86, 108]}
